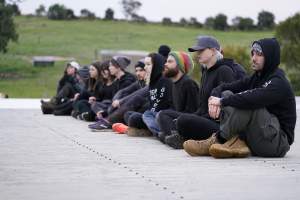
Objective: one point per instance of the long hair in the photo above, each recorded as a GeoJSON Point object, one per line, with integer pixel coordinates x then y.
{"type": "Point", "coordinates": [93, 82]}
{"type": "Point", "coordinates": [105, 66]}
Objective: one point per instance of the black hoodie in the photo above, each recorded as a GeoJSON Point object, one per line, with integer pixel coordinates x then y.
{"type": "Point", "coordinates": [211, 78]}
{"type": "Point", "coordinates": [124, 81]}
{"type": "Point", "coordinates": [268, 89]}
{"type": "Point", "coordinates": [160, 88]}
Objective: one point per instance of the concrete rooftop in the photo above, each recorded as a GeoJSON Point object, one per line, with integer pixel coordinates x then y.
{"type": "Point", "coordinates": [50, 157]}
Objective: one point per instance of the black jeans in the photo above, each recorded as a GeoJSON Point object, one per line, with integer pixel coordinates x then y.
{"type": "Point", "coordinates": [135, 120]}
{"type": "Point", "coordinates": [195, 127]}
{"type": "Point", "coordinates": [166, 120]}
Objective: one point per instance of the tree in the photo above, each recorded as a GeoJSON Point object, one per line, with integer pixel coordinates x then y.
{"type": "Point", "coordinates": [194, 22]}
{"type": "Point", "coordinates": [40, 11]}
{"type": "Point", "coordinates": [241, 23]}
{"type": "Point", "coordinates": [7, 26]}
{"type": "Point", "coordinates": [130, 8]}
{"type": "Point", "coordinates": [60, 12]}
{"type": "Point", "coordinates": [265, 20]}
{"type": "Point", "coordinates": [85, 13]}
{"type": "Point", "coordinates": [183, 22]}
{"type": "Point", "coordinates": [109, 14]}
{"type": "Point", "coordinates": [209, 22]}
{"type": "Point", "coordinates": [167, 21]}
{"type": "Point", "coordinates": [15, 9]}
{"type": "Point", "coordinates": [139, 19]}
{"type": "Point", "coordinates": [220, 22]}
{"type": "Point", "coordinates": [288, 35]}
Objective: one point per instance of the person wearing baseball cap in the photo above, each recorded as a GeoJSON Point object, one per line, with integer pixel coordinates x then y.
{"type": "Point", "coordinates": [258, 112]}
{"type": "Point", "coordinates": [215, 70]}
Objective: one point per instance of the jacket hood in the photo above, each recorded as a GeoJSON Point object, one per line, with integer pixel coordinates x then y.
{"type": "Point", "coordinates": [271, 50]}
{"type": "Point", "coordinates": [158, 62]}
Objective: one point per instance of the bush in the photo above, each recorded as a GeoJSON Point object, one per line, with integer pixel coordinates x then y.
{"type": "Point", "coordinates": [294, 78]}
{"type": "Point", "coordinates": [288, 35]}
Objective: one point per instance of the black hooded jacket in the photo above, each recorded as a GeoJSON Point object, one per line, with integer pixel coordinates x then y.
{"type": "Point", "coordinates": [268, 89]}
{"type": "Point", "coordinates": [211, 78]}
{"type": "Point", "coordinates": [124, 81]}
{"type": "Point", "coordinates": [160, 88]}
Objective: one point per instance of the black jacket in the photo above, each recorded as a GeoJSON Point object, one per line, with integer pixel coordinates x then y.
{"type": "Point", "coordinates": [129, 90]}
{"type": "Point", "coordinates": [185, 95]}
{"type": "Point", "coordinates": [125, 80]}
{"type": "Point", "coordinates": [160, 88]}
{"type": "Point", "coordinates": [268, 89]}
{"type": "Point", "coordinates": [211, 78]}
{"type": "Point", "coordinates": [72, 80]}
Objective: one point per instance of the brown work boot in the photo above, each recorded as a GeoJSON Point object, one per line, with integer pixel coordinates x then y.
{"type": "Point", "coordinates": [234, 147]}
{"type": "Point", "coordinates": [136, 132]}
{"type": "Point", "coordinates": [199, 147]}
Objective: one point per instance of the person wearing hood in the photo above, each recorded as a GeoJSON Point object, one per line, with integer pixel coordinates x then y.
{"type": "Point", "coordinates": [215, 71]}
{"type": "Point", "coordinates": [160, 97]}
{"type": "Point", "coordinates": [257, 114]}
{"type": "Point", "coordinates": [178, 67]}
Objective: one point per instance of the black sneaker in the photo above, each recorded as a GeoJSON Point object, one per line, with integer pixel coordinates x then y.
{"type": "Point", "coordinates": [162, 136]}
{"type": "Point", "coordinates": [87, 116]}
{"type": "Point", "coordinates": [74, 114]}
{"type": "Point", "coordinates": [175, 140]}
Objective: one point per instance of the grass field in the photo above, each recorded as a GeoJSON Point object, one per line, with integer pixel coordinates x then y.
{"type": "Point", "coordinates": [80, 39]}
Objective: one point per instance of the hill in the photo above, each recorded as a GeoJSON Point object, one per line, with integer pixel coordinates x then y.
{"type": "Point", "coordinates": [80, 38]}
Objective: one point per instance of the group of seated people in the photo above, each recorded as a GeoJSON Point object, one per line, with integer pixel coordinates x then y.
{"type": "Point", "coordinates": [228, 114]}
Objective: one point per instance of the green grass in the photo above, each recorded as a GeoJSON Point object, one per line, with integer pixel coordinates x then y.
{"type": "Point", "coordinates": [80, 39]}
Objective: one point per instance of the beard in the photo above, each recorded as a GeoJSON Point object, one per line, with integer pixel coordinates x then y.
{"type": "Point", "coordinates": [169, 73]}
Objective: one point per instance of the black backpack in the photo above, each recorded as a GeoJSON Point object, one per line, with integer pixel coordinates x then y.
{"type": "Point", "coordinates": [238, 70]}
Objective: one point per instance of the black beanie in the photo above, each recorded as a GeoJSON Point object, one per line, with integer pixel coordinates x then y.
{"type": "Point", "coordinates": [164, 50]}
{"type": "Point", "coordinates": [120, 61]}
{"type": "Point", "coordinates": [140, 64]}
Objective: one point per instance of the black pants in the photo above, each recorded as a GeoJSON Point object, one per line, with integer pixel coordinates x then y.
{"type": "Point", "coordinates": [135, 120]}
{"type": "Point", "coordinates": [82, 106]}
{"type": "Point", "coordinates": [67, 91]}
{"type": "Point", "coordinates": [135, 104]}
{"type": "Point", "coordinates": [192, 126]}
{"type": "Point", "coordinates": [167, 120]}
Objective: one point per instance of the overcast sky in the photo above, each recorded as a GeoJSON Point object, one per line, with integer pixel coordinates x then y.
{"type": "Point", "coordinates": [155, 10]}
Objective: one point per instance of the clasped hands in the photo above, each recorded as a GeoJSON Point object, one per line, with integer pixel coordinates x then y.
{"type": "Point", "coordinates": [214, 107]}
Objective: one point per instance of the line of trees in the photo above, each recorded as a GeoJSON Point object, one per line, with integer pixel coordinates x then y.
{"type": "Point", "coordinates": [265, 19]}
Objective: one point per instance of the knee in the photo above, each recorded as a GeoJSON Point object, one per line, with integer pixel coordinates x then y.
{"type": "Point", "coordinates": [227, 93]}
{"type": "Point", "coordinates": [160, 117]}
{"type": "Point", "coordinates": [181, 122]}
{"type": "Point", "coordinates": [133, 119]}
